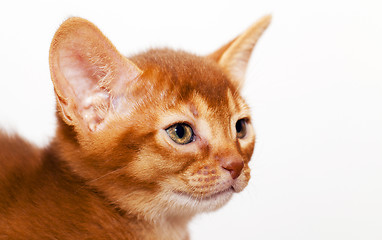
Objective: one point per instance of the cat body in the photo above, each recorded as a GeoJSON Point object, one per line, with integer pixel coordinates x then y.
{"type": "Point", "coordinates": [142, 145]}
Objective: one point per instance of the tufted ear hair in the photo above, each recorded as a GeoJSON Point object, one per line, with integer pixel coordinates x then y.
{"type": "Point", "coordinates": [234, 56]}
{"type": "Point", "coordinates": [88, 74]}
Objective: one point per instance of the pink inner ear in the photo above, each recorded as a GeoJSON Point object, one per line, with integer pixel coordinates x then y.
{"type": "Point", "coordinates": [80, 76]}
{"type": "Point", "coordinates": [81, 83]}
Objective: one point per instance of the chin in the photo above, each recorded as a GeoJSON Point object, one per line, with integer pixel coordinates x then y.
{"type": "Point", "coordinates": [196, 204]}
{"type": "Point", "coordinates": [189, 200]}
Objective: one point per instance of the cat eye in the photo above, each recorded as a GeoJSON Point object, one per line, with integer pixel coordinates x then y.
{"type": "Point", "coordinates": [180, 133]}
{"type": "Point", "coordinates": [241, 128]}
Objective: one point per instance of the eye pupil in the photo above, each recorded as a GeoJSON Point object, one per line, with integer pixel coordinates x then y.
{"type": "Point", "coordinates": [239, 126]}
{"type": "Point", "coordinates": [179, 129]}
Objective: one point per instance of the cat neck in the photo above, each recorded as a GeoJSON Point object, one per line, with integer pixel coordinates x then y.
{"type": "Point", "coordinates": [136, 226]}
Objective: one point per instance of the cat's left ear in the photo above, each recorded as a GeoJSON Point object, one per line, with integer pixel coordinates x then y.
{"type": "Point", "coordinates": [234, 56]}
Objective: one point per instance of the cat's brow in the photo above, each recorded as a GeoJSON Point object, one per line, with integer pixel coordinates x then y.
{"type": "Point", "coordinates": [231, 103]}
{"type": "Point", "coordinates": [199, 104]}
{"type": "Point", "coordinates": [237, 104]}
{"type": "Point", "coordinates": [193, 110]}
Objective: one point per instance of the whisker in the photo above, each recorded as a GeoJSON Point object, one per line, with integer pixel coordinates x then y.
{"type": "Point", "coordinates": [111, 172]}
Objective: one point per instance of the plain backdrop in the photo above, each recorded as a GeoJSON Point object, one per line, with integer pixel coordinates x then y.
{"type": "Point", "coordinates": [314, 84]}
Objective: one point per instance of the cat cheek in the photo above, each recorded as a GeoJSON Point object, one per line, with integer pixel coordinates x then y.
{"type": "Point", "coordinates": [247, 149]}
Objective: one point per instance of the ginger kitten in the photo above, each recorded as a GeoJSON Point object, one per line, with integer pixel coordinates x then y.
{"type": "Point", "coordinates": [143, 143]}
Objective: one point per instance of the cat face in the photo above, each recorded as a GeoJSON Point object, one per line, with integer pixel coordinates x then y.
{"type": "Point", "coordinates": [201, 133]}
{"type": "Point", "coordinates": [161, 133]}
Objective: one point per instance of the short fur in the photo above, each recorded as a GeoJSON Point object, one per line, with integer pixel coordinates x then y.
{"type": "Point", "coordinates": [111, 171]}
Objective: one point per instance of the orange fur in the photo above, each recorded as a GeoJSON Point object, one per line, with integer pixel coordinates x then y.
{"type": "Point", "coordinates": [112, 171]}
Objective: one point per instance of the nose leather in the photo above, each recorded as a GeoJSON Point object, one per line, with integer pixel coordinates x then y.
{"type": "Point", "coordinates": [233, 164]}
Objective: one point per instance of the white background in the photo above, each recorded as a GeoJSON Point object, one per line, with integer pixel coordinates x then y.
{"type": "Point", "coordinates": [314, 83]}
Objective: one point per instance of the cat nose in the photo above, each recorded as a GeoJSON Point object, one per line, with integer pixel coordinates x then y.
{"type": "Point", "coordinates": [233, 164]}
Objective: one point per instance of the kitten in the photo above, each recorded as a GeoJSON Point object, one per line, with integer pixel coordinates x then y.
{"type": "Point", "coordinates": [142, 145]}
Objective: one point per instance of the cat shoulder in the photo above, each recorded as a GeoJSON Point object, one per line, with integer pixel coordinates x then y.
{"type": "Point", "coordinates": [16, 156]}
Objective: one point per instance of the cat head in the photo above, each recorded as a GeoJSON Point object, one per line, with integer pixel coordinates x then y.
{"type": "Point", "coordinates": [162, 133]}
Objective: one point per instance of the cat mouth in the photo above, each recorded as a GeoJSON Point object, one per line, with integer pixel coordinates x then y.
{"type": "Point", "coordinates": [226, 192]}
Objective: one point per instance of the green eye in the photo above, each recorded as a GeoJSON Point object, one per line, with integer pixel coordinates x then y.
{"type": "Point", "coordinates": [180, 133]}
{"type": "Point", "coordinates": [241, 128]}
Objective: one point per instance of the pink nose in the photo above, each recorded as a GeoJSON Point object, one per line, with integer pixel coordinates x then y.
{"type": "Point", "coordinates": [232, 164]}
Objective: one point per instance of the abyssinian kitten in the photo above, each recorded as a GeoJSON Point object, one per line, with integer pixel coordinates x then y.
{"type": "Point", "coordinates": [142, 145]}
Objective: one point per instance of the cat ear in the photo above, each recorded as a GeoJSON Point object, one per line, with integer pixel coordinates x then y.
{"type": "Point", "coordinates": [234, 56]}
{"type": "Point", "coordinates": [88, 73]}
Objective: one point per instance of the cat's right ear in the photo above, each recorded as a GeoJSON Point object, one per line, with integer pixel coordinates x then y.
{"type": "Point", "coordinates": [234, 56]}
{"type": "Point", "coordinates": [88, 74]}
